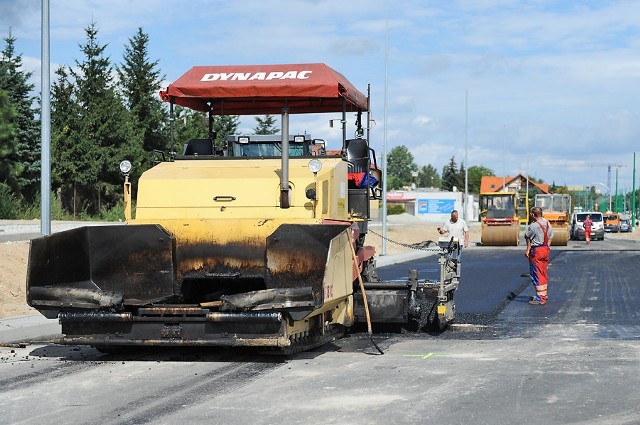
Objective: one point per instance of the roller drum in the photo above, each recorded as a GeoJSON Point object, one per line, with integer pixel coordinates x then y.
{"type": "Point", "coordinates": [560, 235]}
{"type": "Point", "coordinates": [500, 235]}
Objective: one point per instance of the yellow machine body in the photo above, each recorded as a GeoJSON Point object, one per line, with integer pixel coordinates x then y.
{"type": "Point", "coordinates": [523, 209]}
{"type": "Point", "coordinates": [241, 189]}
{"type": "Point", "coordinates": [555, 208]}
{"type": "Point", "coordinates": [499, 218]}
{"type": "Point", "coordinates": [222, 214]}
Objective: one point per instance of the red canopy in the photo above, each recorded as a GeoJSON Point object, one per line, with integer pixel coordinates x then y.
{"type": "Point", "coordinates": [265, 89]}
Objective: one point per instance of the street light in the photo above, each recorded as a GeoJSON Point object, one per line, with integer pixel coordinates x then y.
{"type": "Point", "coordinates": [608, 190]}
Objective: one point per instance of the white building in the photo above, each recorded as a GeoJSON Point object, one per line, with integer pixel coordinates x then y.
{"type": "Point", "coordinates": [434, 207]}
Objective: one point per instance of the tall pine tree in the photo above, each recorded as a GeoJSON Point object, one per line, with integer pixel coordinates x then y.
{"type": "Point", "coordinates": [190, 124]}
{"type": "Point", "coordinates": [97, 135]}
{"type": "Point", "coordinates": [8, 141]}
{"type": "Point", "coordinates": [141, 81]}
{"type": "Point", "coordinates": [450, 176]}
{"type": "Point", "coordinates": [26, 157]}
{"type": "Point", "coordinates": [266, 125]}
{"type": "Point", "coordinates": [72, 153]}
{"type": "Point", "coordinates": [461, 173]}
{"type": "Point", "coordinates": [225, 125]}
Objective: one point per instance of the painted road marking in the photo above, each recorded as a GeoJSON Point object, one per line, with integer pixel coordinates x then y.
{"type": "Point", "coordinates": [425, 356]}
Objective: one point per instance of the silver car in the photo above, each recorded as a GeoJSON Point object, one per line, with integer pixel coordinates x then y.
{"type": "Point", "coordinates": [625, 225]}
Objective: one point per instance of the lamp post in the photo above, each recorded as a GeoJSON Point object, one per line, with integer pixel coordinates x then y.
{"type": "Point", "coordinates": [45, 125]}
{"type": "Point", "coordinates": [465, 200]}
{"type": "Point", "coordinates": [608, 190]}
{"type": "Point", "coordinates": [384, 141]}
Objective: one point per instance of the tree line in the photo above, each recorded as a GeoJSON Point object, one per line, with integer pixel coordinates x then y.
{"type": "Point", "coordinates": [101, 113]}
{"type": "Point", "coordinates": [402, 172]}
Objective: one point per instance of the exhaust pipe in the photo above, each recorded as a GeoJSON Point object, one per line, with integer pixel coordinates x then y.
{"type": "Point", "coordinates": [284, 177]}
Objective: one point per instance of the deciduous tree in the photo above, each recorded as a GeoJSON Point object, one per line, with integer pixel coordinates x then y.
{"type": "Point", "coordinates": [428, 177]}
{"type": "Point", "coordinates": [475, 173]}
{"type": "Point", "coordinates": [400, 166]}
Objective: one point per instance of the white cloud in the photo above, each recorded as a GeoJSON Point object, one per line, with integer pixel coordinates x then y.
{"type": "Point", "coordinates": [423, 120]}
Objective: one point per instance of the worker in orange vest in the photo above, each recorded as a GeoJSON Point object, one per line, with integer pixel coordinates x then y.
{"type": "Point", "coordinates": [538, 237]}
{"type": "Point", "coordinates": [587, 223]}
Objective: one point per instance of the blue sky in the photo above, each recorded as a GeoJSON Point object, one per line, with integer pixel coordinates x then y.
{"type": "Point", "coordinates": [550, 88]}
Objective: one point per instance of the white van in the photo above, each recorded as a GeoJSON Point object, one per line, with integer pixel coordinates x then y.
{"type": "Point", "coordinates": [577, 229]}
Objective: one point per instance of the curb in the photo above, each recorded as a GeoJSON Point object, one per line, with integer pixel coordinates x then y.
{"type": "Point", "coordinates": [18, 237]}
{"type": "Point", "coordinates": [28, 328]}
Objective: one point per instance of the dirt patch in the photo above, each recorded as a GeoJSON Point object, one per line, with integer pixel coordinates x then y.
{"type": "Point", "coordinates": [13, 276]}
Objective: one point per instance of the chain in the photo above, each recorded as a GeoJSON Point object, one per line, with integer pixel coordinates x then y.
{"type": "Point", "coordinates": [421, 246]}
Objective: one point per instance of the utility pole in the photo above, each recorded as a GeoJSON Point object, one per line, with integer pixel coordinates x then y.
{"type": "Point", "coordinates": [466, 159]}
{"type": "Point", "coordinates": [384, 142]}
{"type": "Point", "coordinates": [633, 195]}
{"type": "Point", "coordinates": [609, 179]}
{"type": "Point", "coordinates": [616, 208]}
{"type": "Point", "coordinates": [45, 125]}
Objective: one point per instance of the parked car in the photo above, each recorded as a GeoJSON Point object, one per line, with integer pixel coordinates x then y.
{"type": "Point", "coordinates": [625, 225]}
{"type": "Point", "coordinates": [611, 222]}
{"type": "Point", "coordinates": [577, 228]}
